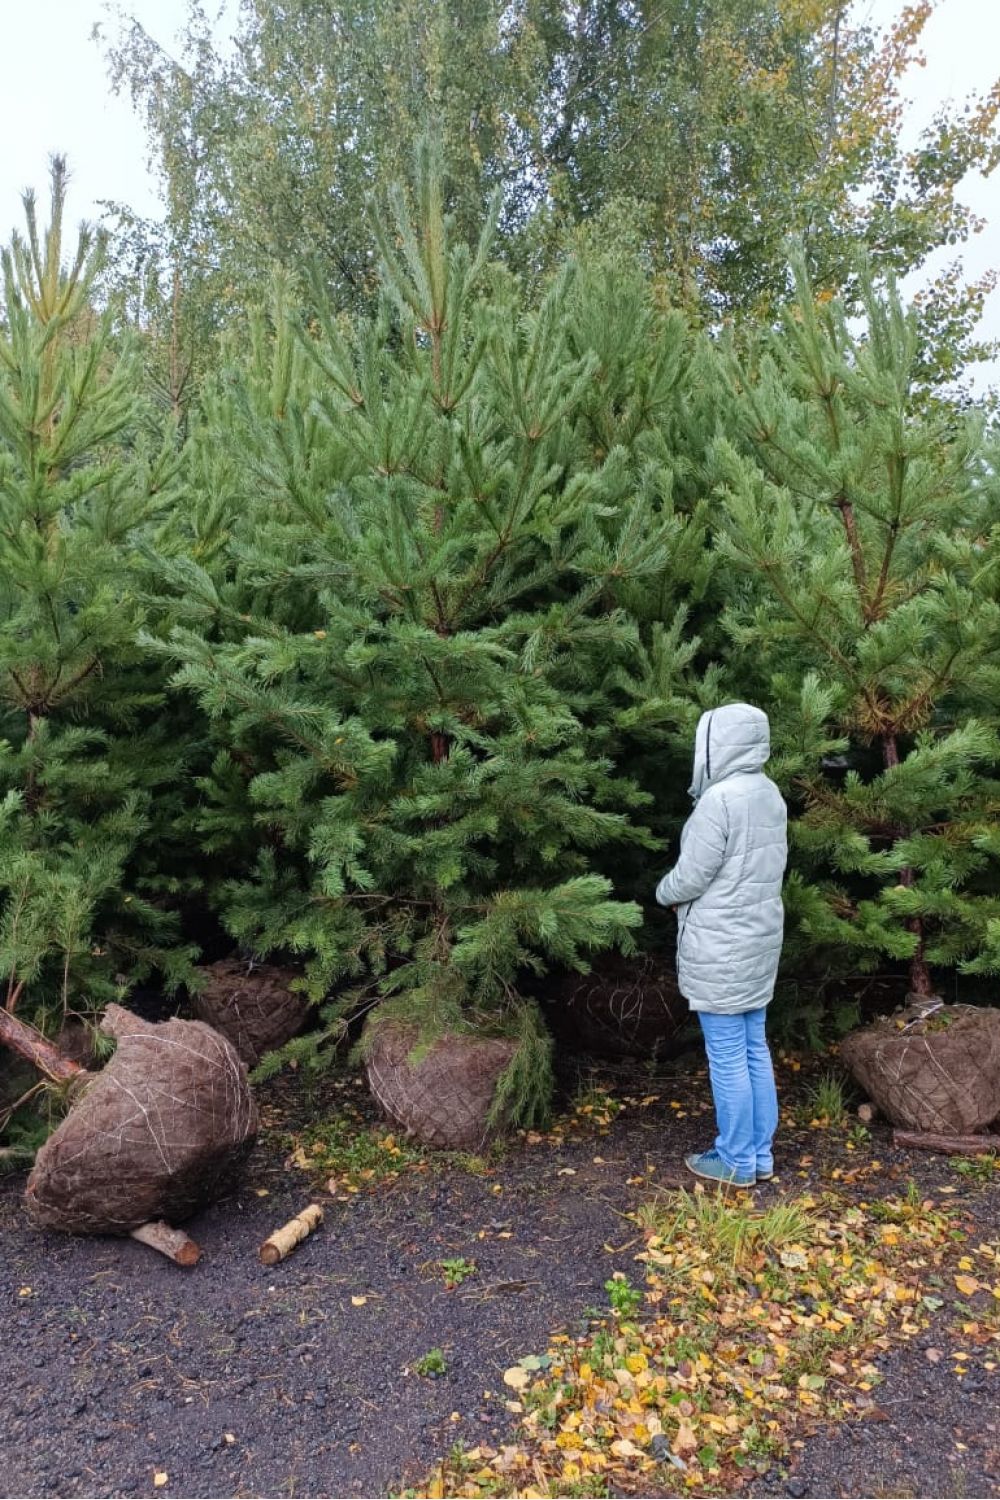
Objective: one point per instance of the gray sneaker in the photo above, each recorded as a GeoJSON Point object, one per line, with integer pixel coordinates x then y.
{"type": "Point", "coordinates": [710, 1166]}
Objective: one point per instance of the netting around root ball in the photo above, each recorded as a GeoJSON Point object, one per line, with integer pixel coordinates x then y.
{"type": "Point", "coordinates": [935, 1073]}
{"type": "Point", "coordinates": [626, 1007]}
{"type": "Point", "coordinates": [163, 1129]}
{"type": "Point", "coordinates": [442, 1093]}
{"type": "Point", "coordinates": [255, 1008]}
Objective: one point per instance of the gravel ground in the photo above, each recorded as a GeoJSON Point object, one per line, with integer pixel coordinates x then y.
{"type": "Point", "coordinates": [238, 1380]}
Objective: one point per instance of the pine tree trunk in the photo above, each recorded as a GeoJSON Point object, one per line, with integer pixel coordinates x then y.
{"type": "Point", "coordinates": [37, 1049]}
{"type": "Point", "coordinates": [920, 974]}
{"type": "Point", "coordinates": [946, 1145]}
{"type": "Point", "coordinates": [921, 982]}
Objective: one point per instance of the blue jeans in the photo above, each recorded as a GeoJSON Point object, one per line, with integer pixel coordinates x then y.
{"type": "Point", "coordinates": [746, 1100]}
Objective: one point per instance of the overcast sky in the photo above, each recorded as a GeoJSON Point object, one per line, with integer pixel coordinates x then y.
{"type": "Point", "coordinates": [56, 98]}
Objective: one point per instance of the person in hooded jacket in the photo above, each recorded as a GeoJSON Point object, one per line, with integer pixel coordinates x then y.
{"type": "Point", "coordinates": [726, 889]}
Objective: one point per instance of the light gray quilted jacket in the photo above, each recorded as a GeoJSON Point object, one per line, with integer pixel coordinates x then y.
{"type": "Point", "coordinates": [727, 883]}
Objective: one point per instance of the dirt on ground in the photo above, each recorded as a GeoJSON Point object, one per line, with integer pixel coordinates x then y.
{"type": "Point", "coordinates": [126, 1376]}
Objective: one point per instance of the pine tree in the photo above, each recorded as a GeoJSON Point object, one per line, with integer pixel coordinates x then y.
{"type": "Point", "coordinates": [393, 647]}
{"type": "Point", "coordinates": [858, 511]}
{"type": "Point", "coordinates": [652, 403]}
{"type": "Point", "coordinates": [81, 484]}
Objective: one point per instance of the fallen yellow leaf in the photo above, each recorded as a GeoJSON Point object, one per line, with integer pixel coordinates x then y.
{"type": "Point", "coordinates": [685, 1440]}
{"type": "Point", "coordinates": [967, 1285]}
{"type": "Point", "coordinates": [516, 1377]}
{"type": "Point", "coordinates": [160, 1478]}
{"type": "Point", "coordinates": [358, 1301]}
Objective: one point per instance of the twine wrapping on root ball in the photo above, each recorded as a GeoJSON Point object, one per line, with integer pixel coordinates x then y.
{"type": "Point", "coordinates": [254, 1008]}
{"type": "Point", "coordinates": [931, 1069]}
{"type": "Point", "coordinates": [161, 1130]}
{"type": "Point", "coordinates": [626, 1007]}
{"type": "Point", "coordinates": [441, 1093]}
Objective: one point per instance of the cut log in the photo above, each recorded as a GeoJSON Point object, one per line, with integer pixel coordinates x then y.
{"type": "Point", "coordinates": [947, 1145]}
{"type": "Point", "coordinates": [284, 1240]}
{"type": "Point", "coordinates": [36, 1049]}
{"type": "Point", "coordinates": [173, 1243]}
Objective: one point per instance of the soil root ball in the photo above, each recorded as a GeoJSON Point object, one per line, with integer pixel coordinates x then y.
{"type": "Point", "coordinates": [160, 1131]}
{"type": "Point", "coordinates": [255, 1008]}
{"type": "Point", "coordinates": [932, 1069]}
{"type": "Point", "coordinates": [624, 1008]}
{"type": "Point", "coordinates": [441, 1093]}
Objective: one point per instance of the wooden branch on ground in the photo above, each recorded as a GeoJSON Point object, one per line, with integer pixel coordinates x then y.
{"type": "Point", "coordinates": [284, 1240]}
{"type": "Point", "coordinates": [173, 1243]}
{"type": "Point", "coordinates": [36, 1049]}
{"type": "Point", "coordinates": [947, 1145]}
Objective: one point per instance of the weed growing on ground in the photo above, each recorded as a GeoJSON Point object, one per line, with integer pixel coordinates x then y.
{"type": "Point", "coordinates": [732, 1231]}
{"type": "Point", "coordinates": [825, 1102]}
{"type": "Point", "coordinates": [624, 1298]}
{"type": "Point", "coordinates": [432, 1364]}
{"type": "Point", "coordinates": [457, 1270]}
{"type": "Point", "coordinates": [353, 1155]}
{"type": "Point", "coordinates": [981, 1169]}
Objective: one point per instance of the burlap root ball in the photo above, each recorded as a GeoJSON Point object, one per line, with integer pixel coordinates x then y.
{"type": "Point", "coordinates": [626, 1007]}
{"type": "Point", "coordinates": [441, 1095]}
{"type": "Point", "coordinates": [254, 1008]}
{"type": "Point", "coordinates": [161, 1130]}
{"type": "Point", "coordinates": [940, 1074]}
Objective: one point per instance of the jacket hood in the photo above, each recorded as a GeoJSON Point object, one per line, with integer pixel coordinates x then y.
{"type": "Point", "coordinates": [729, 740]}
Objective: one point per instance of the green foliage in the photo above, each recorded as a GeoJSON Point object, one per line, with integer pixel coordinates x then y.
{"type": "Point", "coordinates": [457, 1270]}
{"type": "Point", "coordinates": [826, 1100]}
{"type": "Point", "coordinates": [464, 533]}
{"type": "Point", "coordinates": [344, 1148]}
{"type": "Point", "coordinates": [625, 1299]}
{"type": "Point", "coordinates": [413, 641]}
{"type": "Point", "coordinates": [979, 1169]}
{"type": "Point", "coordinates": [729, 1231]}
{"type": "Point", "coordinates": [432, 1364]}
{"type": "Point", "coordinates": [861, 516]}
{"type": "Point", "coordinates": [88, 766]}
{"type": "Point", "coordinates": [807, 1015]}
{"type": "Point", "coordinates": [688, 139]}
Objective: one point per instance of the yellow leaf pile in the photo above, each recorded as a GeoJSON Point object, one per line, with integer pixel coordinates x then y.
{"type": "Point", "coordinates": [754, 1327]}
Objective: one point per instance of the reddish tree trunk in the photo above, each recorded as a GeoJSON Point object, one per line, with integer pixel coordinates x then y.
{"type": "Point", "coordinates": [946, 1145]}
{"type": "Point", "coordinates": [37, 1049]}
{"type": "Point", "coordinates": [921, 982]}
